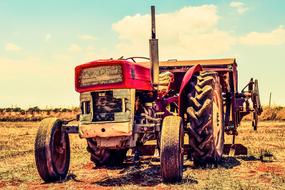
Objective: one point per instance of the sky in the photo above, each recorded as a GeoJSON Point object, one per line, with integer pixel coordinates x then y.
{"type": "Point", "coordinates": [42, 41]}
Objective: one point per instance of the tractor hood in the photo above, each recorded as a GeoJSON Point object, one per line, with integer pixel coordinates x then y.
{"type": "Point", "coordinates": [111, 74]}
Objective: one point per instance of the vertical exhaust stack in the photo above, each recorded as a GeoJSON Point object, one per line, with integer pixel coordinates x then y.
{"type": "Point", "coordinates": [153, 51]}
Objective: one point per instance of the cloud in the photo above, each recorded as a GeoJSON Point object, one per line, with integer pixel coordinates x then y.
{"type": "Point", "coordinates": [187, 33]}
{"type": "Point", "coordinates": [87, 37]}
{"type": "Point", "coordinates": [275, 37]}
{"type": "Point", "coordinates": [47, 37]}
{"type": "Point", "coordinates": [12, 47]}
{"type": "Point", "coordinates": [38, 80]}
{"type": "Point", "coordinates": [239, 6]}
{"type": "Point", "coordinates": [74, 48]}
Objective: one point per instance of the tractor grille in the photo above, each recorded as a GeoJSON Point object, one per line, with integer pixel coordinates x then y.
{"type": "Point", "coordinates": [100, 75]}
{"type": "Point", "coordinates": [105, 106]}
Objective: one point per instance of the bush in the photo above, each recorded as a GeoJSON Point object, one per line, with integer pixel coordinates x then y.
{"type": "Point", "coordinates": [17, 109]}
{"type": "Point", "coordinates": [56, 110]}
{"type": "Point", "coordinates": [281, 114]}
{"type": "Point", "coordinates": [34, 109]}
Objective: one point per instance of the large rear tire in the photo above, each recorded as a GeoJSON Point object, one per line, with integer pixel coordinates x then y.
{"type": "Point", "coordinates": [171, 147]}
{"type": "Point", "coordinates": [205, 115]}
{"type": "Point", "coordinates": [104, 156]}
{"type": "Point", "coordinates": [52, 150]}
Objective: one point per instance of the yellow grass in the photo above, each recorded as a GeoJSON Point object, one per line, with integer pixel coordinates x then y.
{"type": "Point", "coordinates": [269, 114]}
{"type": "Point", "coordinates": [6, 114]}
{"type": "Point", "coordinates": [37, 115]}
{"type": "Point", "coordinates": [17, 165]}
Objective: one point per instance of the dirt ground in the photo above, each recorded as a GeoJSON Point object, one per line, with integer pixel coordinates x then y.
{"type": "Point", "coordinates": [17, 165]}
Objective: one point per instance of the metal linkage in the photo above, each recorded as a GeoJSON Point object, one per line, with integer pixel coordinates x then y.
{"type": "Point", "coordinates": [70, 129]}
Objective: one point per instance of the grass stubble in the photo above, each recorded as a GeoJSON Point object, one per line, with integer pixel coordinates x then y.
{"type": "Point", "coordinates": [252, 171]}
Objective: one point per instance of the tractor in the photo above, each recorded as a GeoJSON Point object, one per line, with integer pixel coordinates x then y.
{"type": "Point", "coordinates": [124, 104]}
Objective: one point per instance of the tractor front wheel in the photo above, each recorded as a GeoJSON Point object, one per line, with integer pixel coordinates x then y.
{"type": "Point", "coordinates": [52, 150]}
{"type": "Point", "coordinates": [171, 147]}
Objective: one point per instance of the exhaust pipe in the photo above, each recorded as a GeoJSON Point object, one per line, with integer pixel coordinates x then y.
{"type": "Point", "coordinates": [153, 51]}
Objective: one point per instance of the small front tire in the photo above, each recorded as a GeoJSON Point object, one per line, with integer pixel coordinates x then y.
{"type": "Point", "coordinates": [52, 150]}
{"type": "Point", "coordinates": [171, 147]}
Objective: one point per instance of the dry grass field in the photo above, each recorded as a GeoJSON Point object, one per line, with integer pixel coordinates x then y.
{"type": "Point", "coordinates": [37, 114]}
{"type": "Point", "coordinates": [17, 165]}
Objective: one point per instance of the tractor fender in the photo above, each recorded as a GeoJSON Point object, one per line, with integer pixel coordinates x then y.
{"type": "Point", "coordinates": [187, 77]}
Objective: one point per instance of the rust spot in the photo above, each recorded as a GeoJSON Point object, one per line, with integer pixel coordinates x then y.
{"type": "Point", "coordinates": [88, 166]}
{"type": "Point", "coordinates": [2, 185]}
{"type": "Point", "coordinates": [271, 168]}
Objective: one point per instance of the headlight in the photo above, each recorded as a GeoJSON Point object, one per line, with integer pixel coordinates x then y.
{"type": "Point", "coordinates": [100, 75]}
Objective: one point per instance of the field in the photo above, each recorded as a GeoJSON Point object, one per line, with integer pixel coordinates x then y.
{"type": "Point", "coordinates": [17, 165]}
{"type": "Point", "coordinates": [37, 114]}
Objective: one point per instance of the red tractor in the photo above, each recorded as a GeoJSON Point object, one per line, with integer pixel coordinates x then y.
{"type": "Point", "coordinates": [125, 104]}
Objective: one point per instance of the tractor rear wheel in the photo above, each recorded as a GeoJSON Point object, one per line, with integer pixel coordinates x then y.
{"type": "Point", "coordinates": [171, 147]}
{"type": "Point", "coordinates": [52, 150]}
{"type": "Point", "coordinates": [205, 116]}
{"type": "Point", "coordinates": [104, 156]}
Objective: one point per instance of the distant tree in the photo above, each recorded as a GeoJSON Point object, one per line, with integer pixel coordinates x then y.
{"type": "Point", "coordinates": [17, 109]}
{"type": "Point", "coordinates": [34, 109]}
{"type": "Point", "coordinates": [8, 109]}
{"type": "Point", "coordinates": [65, 110]}
{"type": "Point", "coordinates": [56, 110]}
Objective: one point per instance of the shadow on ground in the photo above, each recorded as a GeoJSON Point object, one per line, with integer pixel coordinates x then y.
{"type": "Point", "coordinates": [229, 162]}
{"type": "Point", "coordinates": [134, 175]}
{"type": "Point", "coordinates": [148, 174]}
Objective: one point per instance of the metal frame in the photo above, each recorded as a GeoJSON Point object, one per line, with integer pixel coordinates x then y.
{"type": "Point", "coordinates": [233, 100]}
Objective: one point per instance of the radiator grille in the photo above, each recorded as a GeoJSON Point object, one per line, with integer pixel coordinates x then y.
{"type": "Point", "coordinates": [105, 106]}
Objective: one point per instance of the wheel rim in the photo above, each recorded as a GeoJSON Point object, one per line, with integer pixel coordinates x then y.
{"type": "Point", "coordinates": [59, 150]}
{"type": "Point", "coordinates": [181, 150]}
{"type": "Point", "coordinates": [217, 124]}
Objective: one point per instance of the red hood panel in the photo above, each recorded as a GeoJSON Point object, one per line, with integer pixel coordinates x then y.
{"type": "Point", "coordinates": [134, 76]}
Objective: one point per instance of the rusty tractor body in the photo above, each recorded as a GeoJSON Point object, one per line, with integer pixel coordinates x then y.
{"type": "Point", "coordinates": [125, 104]}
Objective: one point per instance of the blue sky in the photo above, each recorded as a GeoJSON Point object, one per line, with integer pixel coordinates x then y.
{"type": "Point", "coordinates": [42, 41]}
